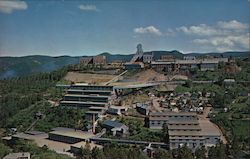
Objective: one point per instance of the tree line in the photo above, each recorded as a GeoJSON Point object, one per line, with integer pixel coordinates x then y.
{"type": "Point", "coordinates": [21, 92]}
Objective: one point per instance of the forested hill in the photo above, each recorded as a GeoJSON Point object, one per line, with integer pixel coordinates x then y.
{"type": "Point", "coordinates": [26, 65]}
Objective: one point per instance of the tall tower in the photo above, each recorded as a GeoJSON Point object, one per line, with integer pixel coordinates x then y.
{"type": "Point", "coordinates": [139, 53]}
{"type": "Point", "coordinates": [139, 49]}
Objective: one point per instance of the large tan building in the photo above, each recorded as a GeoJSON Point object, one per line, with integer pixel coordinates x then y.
{"type": "Point", "coordinates": [185, 128]}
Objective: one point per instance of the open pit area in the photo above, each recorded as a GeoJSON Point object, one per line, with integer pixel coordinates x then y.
{"type": "Point", "coordinates": [88, 77]}
{"type": "Point", "coordinates": [145, 76]}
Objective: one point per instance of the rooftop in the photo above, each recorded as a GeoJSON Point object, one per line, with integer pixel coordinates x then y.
{"type": "Point", "coordinates": [80, 102]}
{"type": "Point", "coordinates": [191, 61]}
{"type": "Point", "coordinates": [184, 127]}
{"type": "Point", "coordinates": [85, 85]}
{"type": "Point", "coordinates": [168, 113]}
{"type": "Point", "coordinates": [192, 121]}
{"type": "Point", "coordinates": [178, 133]}
{"type": "Point", "coordinates": [186, 137]}
{"type": "Point", "coordinates": [80, 90]}
{"type": "Point", "coordinates": [72, 133]}
{"type": "Point", "coordinates": [86, 96]}
{"type": "Point", "coordinates": [112, 123]}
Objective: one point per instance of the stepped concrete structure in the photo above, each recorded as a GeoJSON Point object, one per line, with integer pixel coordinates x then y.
{"type": "Point", "coordinates": [92, 97]}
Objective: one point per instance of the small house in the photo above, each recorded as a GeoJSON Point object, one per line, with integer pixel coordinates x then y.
{"type": "Point", "coordinates": [115, 127]}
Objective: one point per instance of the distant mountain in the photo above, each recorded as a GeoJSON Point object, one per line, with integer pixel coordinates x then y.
{"type": "Point", "coordinates": [113, 57]}
{"type": "Point", "coordinates": [224, 54]}
{"type": "Point", "coordinates": [20, 66]}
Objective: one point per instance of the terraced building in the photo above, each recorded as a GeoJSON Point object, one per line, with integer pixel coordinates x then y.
{"type": "Point", "coordinates": [92, 97]}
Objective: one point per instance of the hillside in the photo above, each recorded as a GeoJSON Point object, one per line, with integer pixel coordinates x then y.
{"type": "Point", "coordinates": [20, 66]}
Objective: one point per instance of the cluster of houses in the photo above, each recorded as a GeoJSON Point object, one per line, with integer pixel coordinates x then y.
{"type": "Point", "coordinates": [181, 118]}
{"type": "Point", "coordinates": [194, 102]}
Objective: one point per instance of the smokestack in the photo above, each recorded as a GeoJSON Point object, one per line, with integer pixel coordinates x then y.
{"type": "Point", "coordinates": [93, 127]}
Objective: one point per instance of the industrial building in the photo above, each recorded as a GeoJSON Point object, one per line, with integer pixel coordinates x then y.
{"type": "Point", "coordinates": [99, 59]}
{"type": "Point", "coordinates": [70, 136]}
{"type": "Point", "coordinates": [188, 63]}
{"type": "Point", "coordinates": [139, 59]}
{"type": "Point", "coordinates": [143, 108]}
{"type": "Point", "coordinates": [91, 97]}
{"type": "Point", "coordinates": [185, 128]}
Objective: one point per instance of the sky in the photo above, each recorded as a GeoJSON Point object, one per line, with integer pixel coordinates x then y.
{"type": "Point", "coordinates": [80, 27]}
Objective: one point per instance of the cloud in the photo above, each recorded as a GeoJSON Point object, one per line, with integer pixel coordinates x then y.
{"type": "Point", "coordinates": [234, 24]}
{"type": "Point", "coordinates": [148, 30]}
{"type": "Point", "coordinates": [201, 29]}
{"type": "Point", "coordinates": [221, 28]}
{"type": "Point", "coordinates": [88, 8]}
{"type": "Point", "coordinates": [8, 6]}
{"type": "Point", "coordinates": [229, 41]}
{"type": "Point", "coordinates": [231, 35]}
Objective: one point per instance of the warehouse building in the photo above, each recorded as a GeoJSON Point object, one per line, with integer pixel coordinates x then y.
{"type": "Point", "coordinates": [70, 136]}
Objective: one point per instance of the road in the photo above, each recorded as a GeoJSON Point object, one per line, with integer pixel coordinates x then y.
{"type": "Point", "coordinates": [156, 104]}
{"type": "Point", "coordinates": [204, 116]}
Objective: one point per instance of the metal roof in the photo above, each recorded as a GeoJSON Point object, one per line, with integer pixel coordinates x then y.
{"type": "Point", "coordinates": [184, 127]}
{"type": "Point", "coordinates": [80, 102]}
{"type": "Point", "coordinates": [86, 96]}
{"type": "Point", "coordinates": [112, 123]}
{"type": "Point", "coordinates": [171, 113]}
{"type": "Point", "coordinates": [183, 121]}
{"type": "Point", "coordinates": [178, 133]}
{"type": "Point", "coordinates": [82, 90]}
{"type": "Point", "coordinates": [72, 133]}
